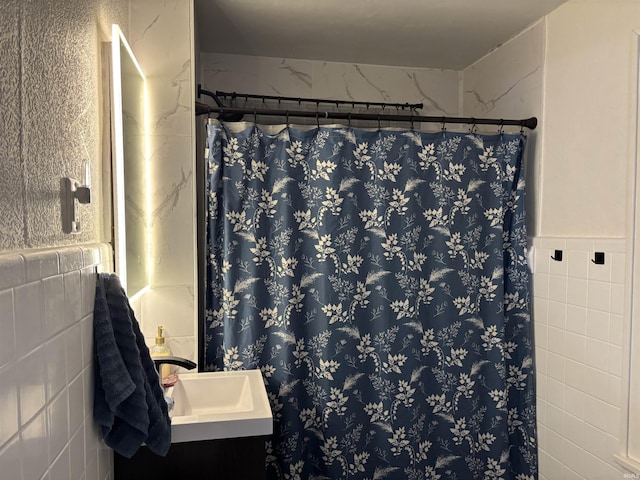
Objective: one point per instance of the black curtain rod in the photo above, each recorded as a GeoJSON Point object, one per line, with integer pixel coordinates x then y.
{"type": "Point", "coordinates": [235, 114]}
{"type": "Point", "coordinates": [317, 101]}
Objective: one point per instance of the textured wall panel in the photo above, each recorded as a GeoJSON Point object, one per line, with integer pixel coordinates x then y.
{"type": "Point", "coordinates": [11, 185]}
{"type": "Point", "coordinates": [50, 91]}
{"type": "Point", "coordinates": [59, 113]}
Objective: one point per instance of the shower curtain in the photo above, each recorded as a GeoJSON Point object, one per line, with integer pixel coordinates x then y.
{"type": "Point", "coordinates": [379, 281]}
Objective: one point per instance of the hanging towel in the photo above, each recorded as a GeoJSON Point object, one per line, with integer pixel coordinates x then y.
{"type": "Point", "coordinates": [128, 403]}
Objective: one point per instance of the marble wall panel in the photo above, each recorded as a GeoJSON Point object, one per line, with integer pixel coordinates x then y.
{"type": "Point", "coordinates": [172, 218]}
{"type": "Point", "coordinates": [260, 75]}
{"type": "Point", "coordinates": [162, 42]}
{"type": "Point", "coordinates": [508, 83]}
{"type": "Point", "coordinates": [436, 89]}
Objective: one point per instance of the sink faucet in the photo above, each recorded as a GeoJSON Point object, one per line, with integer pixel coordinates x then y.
{"type": "Point", "coordinates": [171, 360]}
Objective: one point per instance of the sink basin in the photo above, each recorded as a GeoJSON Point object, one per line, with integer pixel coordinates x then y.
{"type": "Point", "coordinates": [216, 405]}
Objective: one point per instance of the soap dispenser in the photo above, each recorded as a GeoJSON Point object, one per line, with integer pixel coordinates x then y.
{"type": "Point", "coordinates": [161, 349]}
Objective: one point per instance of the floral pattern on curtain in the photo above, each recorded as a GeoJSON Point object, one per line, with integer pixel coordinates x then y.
{"type": "Point", "coordinates": [379, 281]}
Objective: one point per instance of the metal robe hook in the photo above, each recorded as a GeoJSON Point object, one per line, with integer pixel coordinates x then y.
{"type": "Point", "coordinates": [557, 255]}
{"type": "Point", "coordinates": [598, 258]}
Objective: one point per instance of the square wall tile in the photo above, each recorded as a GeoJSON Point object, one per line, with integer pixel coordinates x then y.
{"type": "Point", "coordinates": [56, 365]}
{"type": "Point", "coordinates": [58, 424]}
{"type": "Point", "coordinates": [578, 264]}
{"type": "Point", "coordinates": [60, 468]}
{"type": "Point", "coordinates": [34, 447]}
{"type": "Point", "coordinates": [556, 366]}
{"type": "Point", "coordinates": [598, 324]}
{"type": "Point", "coordinates": [555, 392]}
{"type": "Point", "coordinates": [576, 347]}
{"type": "Point", "coordinates": [9, 404]}
{"type": "Point", "coordinates": [597, 384]}
{"type": "Point", "coordinates": [13, 270]}
{"type": "Point", "coordinates": [601, 272]}
{"type": "Point", "coordinates": [72, 297]}
{"type": "Point", "coordinates": [7, 339]}
{"type": "Point", "coordinates": [618, 298]}
{"type": "Point", "coordinates": [32, 389]}
{"type": "Point", "coordinates": [575, 374]}
{"type": "Point", "coordinates": [618, 268]}
{"type": "Point", "coordinates": [88, 286]}
{"type": "Point", "coordinates": [71, 259]}
{"type": "Point", "coordinates": [558, 288]}
{"type": "Point", "coordinates": [574, 402]}
{"type": "Point", "coordinates": [577, 292]}
{"type": "Point", "coordinates": [574, 429]}
{"type": "Point", "coordinates": [557, 314]}
{"type": "Point", "coordinates": [28, 306]}
{"type": "Point", "coordinates": [41, 264]}
{"type": "Point", "coordinates": [11, 461]}
{"type": "Point", "coordinates": [598, 295]}
{"type": "Point", "coordinates": [76, 454]}
{"type": "Point", "coordinates": [76, 404]}
{"type": "Point", "coordinates": [540, 310]}
{"type": "Point", "coordinates": [54, 307]}
{"type": "Point", "coordinates": [576, 319]}
{"type": "Point", "coordinates": [73, 348]}
{"type": "Point", "coordinates": [597, 354]}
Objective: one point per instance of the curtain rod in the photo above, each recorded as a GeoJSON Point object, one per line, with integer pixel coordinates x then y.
{"type": "Point", "coordinates": [235, 114]}
{"type": "Point", "coordinates": [317, 101]}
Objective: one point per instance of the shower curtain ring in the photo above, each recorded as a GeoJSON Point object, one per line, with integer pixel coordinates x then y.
{"type": "Point", "coordinates": [255, 117]}
{"type": "Point", "coordinates": [318, 119]}
{"type": "Point", "coordinates": [379, 126]}
{"type": "Point", "coordinates": [349, 120]}
{"type": "Point", "coordinates": [412, 126]}
{"type": "Point", "coordinates": [287, 116]}
{"type": "Point", "coordinates": [501, 130]}
{"type": "Point", "coordinates": [444, 128]}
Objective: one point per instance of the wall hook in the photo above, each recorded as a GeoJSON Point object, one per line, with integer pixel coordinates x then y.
{"type": "Point", "coordinates": [72, 192]}
{"type": "Point", "coordinates": [598, 258]}
{"type": "Point", "coordinates": [557, 255]}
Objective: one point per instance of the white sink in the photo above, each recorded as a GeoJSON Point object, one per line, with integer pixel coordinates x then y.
{"type": "Point", "coordinates": [217, 405]}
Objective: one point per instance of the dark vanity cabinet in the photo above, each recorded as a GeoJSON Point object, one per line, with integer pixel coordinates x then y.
{"type": "Point", "coordinates": [223, 459]}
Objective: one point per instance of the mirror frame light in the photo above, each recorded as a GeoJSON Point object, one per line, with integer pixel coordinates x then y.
{"type": "Point", "coordinates": [120, 236]}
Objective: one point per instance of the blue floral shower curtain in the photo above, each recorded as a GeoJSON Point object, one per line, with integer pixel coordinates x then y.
{"type": "Point", "coordinates": [379, 281]}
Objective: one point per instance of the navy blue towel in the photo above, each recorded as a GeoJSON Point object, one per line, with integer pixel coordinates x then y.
{"type": "Point", "coordinates": [129, 402]}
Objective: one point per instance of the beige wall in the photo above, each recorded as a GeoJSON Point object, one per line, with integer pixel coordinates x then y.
{"type": "Point", "coordinates": [588, 117]}
{"type": "Point", "coordinates": [575, 70]}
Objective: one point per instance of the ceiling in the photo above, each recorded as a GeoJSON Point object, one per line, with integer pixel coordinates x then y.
{"type": "Point", "coordinates": [448, 34]}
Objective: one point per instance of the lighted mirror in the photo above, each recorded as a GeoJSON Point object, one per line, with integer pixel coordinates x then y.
{"type": "Point", "coordinates": [130, 168]}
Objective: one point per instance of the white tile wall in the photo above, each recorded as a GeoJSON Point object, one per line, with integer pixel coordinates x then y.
{"type": "Point", "coordinates": [46, 365]}
{"type": "Point", "coordinates": [577, 309]}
